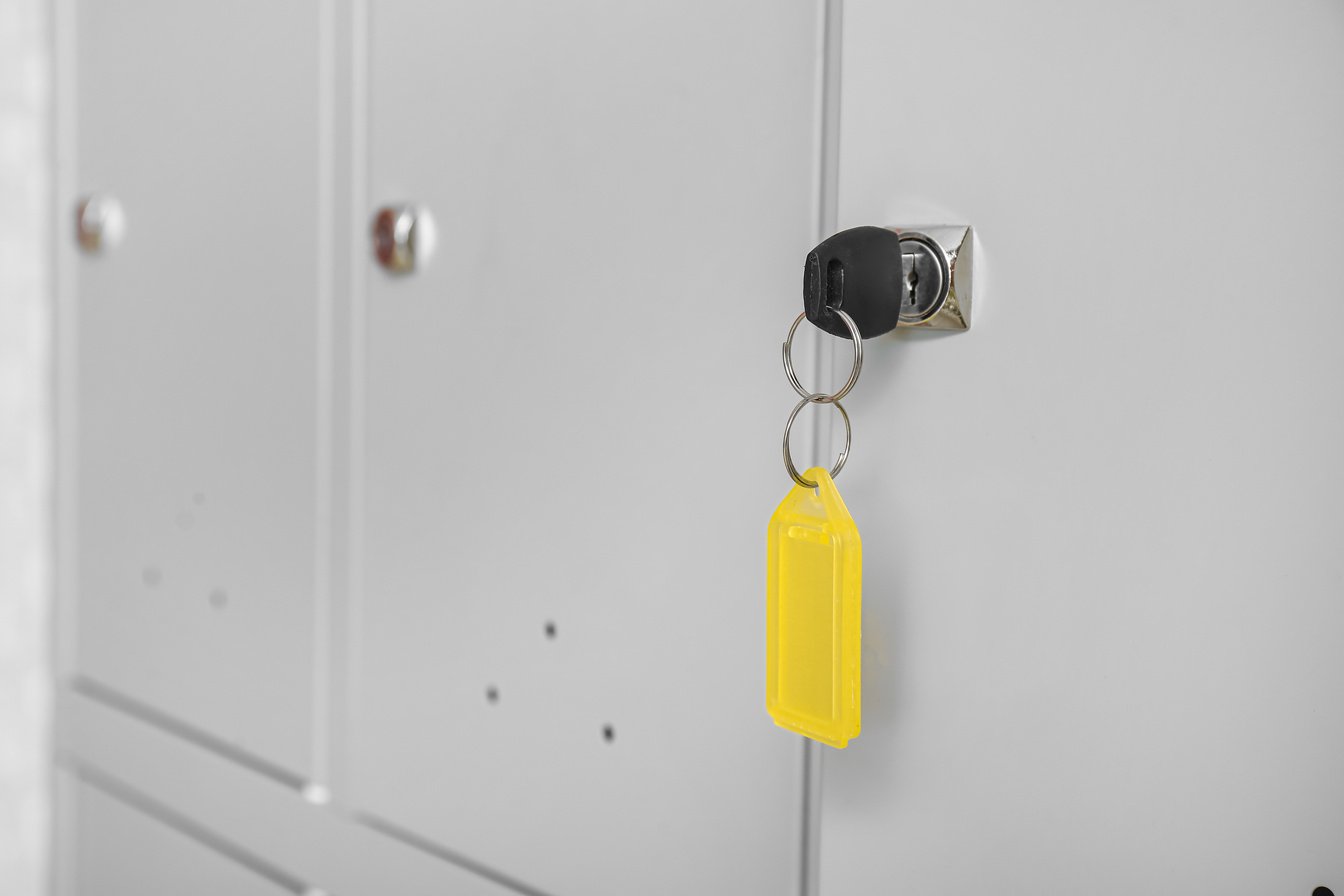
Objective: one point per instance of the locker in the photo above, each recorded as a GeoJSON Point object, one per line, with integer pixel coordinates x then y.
{"type": "Point", "coordinates": [1124, 673]}
{"type": "Point", "coordinates": [196, 386]}
{"type": "Point", "coordinates": [560, 664]}
{"type": "Point", "coordinates": [421, 431]}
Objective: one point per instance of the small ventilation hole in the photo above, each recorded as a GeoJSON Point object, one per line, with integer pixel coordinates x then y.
{"type": "Point", "coordinates": [550, 630]}
{"type": "Point", "coordinates": [609, 734]}
{"type": "Point", "coordinates": [492, 694]}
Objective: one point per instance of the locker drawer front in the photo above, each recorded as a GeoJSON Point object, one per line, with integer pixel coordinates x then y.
{"type": "Point", "coordinates": [119, 850]}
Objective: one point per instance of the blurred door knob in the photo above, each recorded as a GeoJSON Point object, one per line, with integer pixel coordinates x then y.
{"type": "Point", "coordinates": [99, 222]}
{"type": "Point", "coordinates": [394, 238]}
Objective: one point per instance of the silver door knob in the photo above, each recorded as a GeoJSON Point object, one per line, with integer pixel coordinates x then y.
{"type": "Point", "coordinates": [99, 222]}
{"type": "Point", "coordinates": [394, 238]}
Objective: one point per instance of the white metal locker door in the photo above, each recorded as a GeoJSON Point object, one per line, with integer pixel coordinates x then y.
{"type": "Point", "coordinates": [1103, 595]}
{"type": "Point", "coordinates": [116, 849]}
{"type": "Point", "coordinates": [568, 461]}
{"type": "Point", "coordinates": [195, 350]}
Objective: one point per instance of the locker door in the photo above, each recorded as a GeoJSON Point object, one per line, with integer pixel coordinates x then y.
{"type": "Point", "coordinates": [116, 849]}
{"type": "Point", "coordinates": [196, 350]}
{"type": "Point", "coordinates": [568, 464]}
{"type": "Point", "coordinates": [1102, 642]}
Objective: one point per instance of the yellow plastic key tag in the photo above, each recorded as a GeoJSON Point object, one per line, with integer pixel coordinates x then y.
{"type": "Point", "coordinates": [814, 614]}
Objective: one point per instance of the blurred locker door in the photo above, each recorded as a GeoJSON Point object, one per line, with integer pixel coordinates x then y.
{"type": "Point", "coordinates": [566, 460]}
{"type": "Point", "coordinates": [193, 383]}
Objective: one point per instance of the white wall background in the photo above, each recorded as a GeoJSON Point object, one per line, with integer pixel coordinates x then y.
{"type": "Point", "coordinates": [24, 445]}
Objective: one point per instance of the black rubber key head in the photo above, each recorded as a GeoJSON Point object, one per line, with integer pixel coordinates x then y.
{"type": "Point", "coordinates": [858, 271]}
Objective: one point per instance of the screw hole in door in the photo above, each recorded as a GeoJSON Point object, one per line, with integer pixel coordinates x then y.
{"type": "Point", "coordinates": [550, 630]}
{"type": "Point", "coordinates": [609, 734]}
{"type": "Point", "coordinates": [492, 695]}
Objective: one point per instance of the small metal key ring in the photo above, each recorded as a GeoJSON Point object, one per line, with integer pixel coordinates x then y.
{"type": "Point", "coordinates": [822, 397]}
{"type": "Point", "coordinates": [815, 398]}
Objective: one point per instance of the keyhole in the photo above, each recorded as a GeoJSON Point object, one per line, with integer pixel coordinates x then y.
{"type": "Point", "coordinates": [912, 283]}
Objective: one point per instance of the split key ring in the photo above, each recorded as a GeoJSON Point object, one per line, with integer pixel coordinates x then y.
{"type": "Point", "coordinates": [821, 397]}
